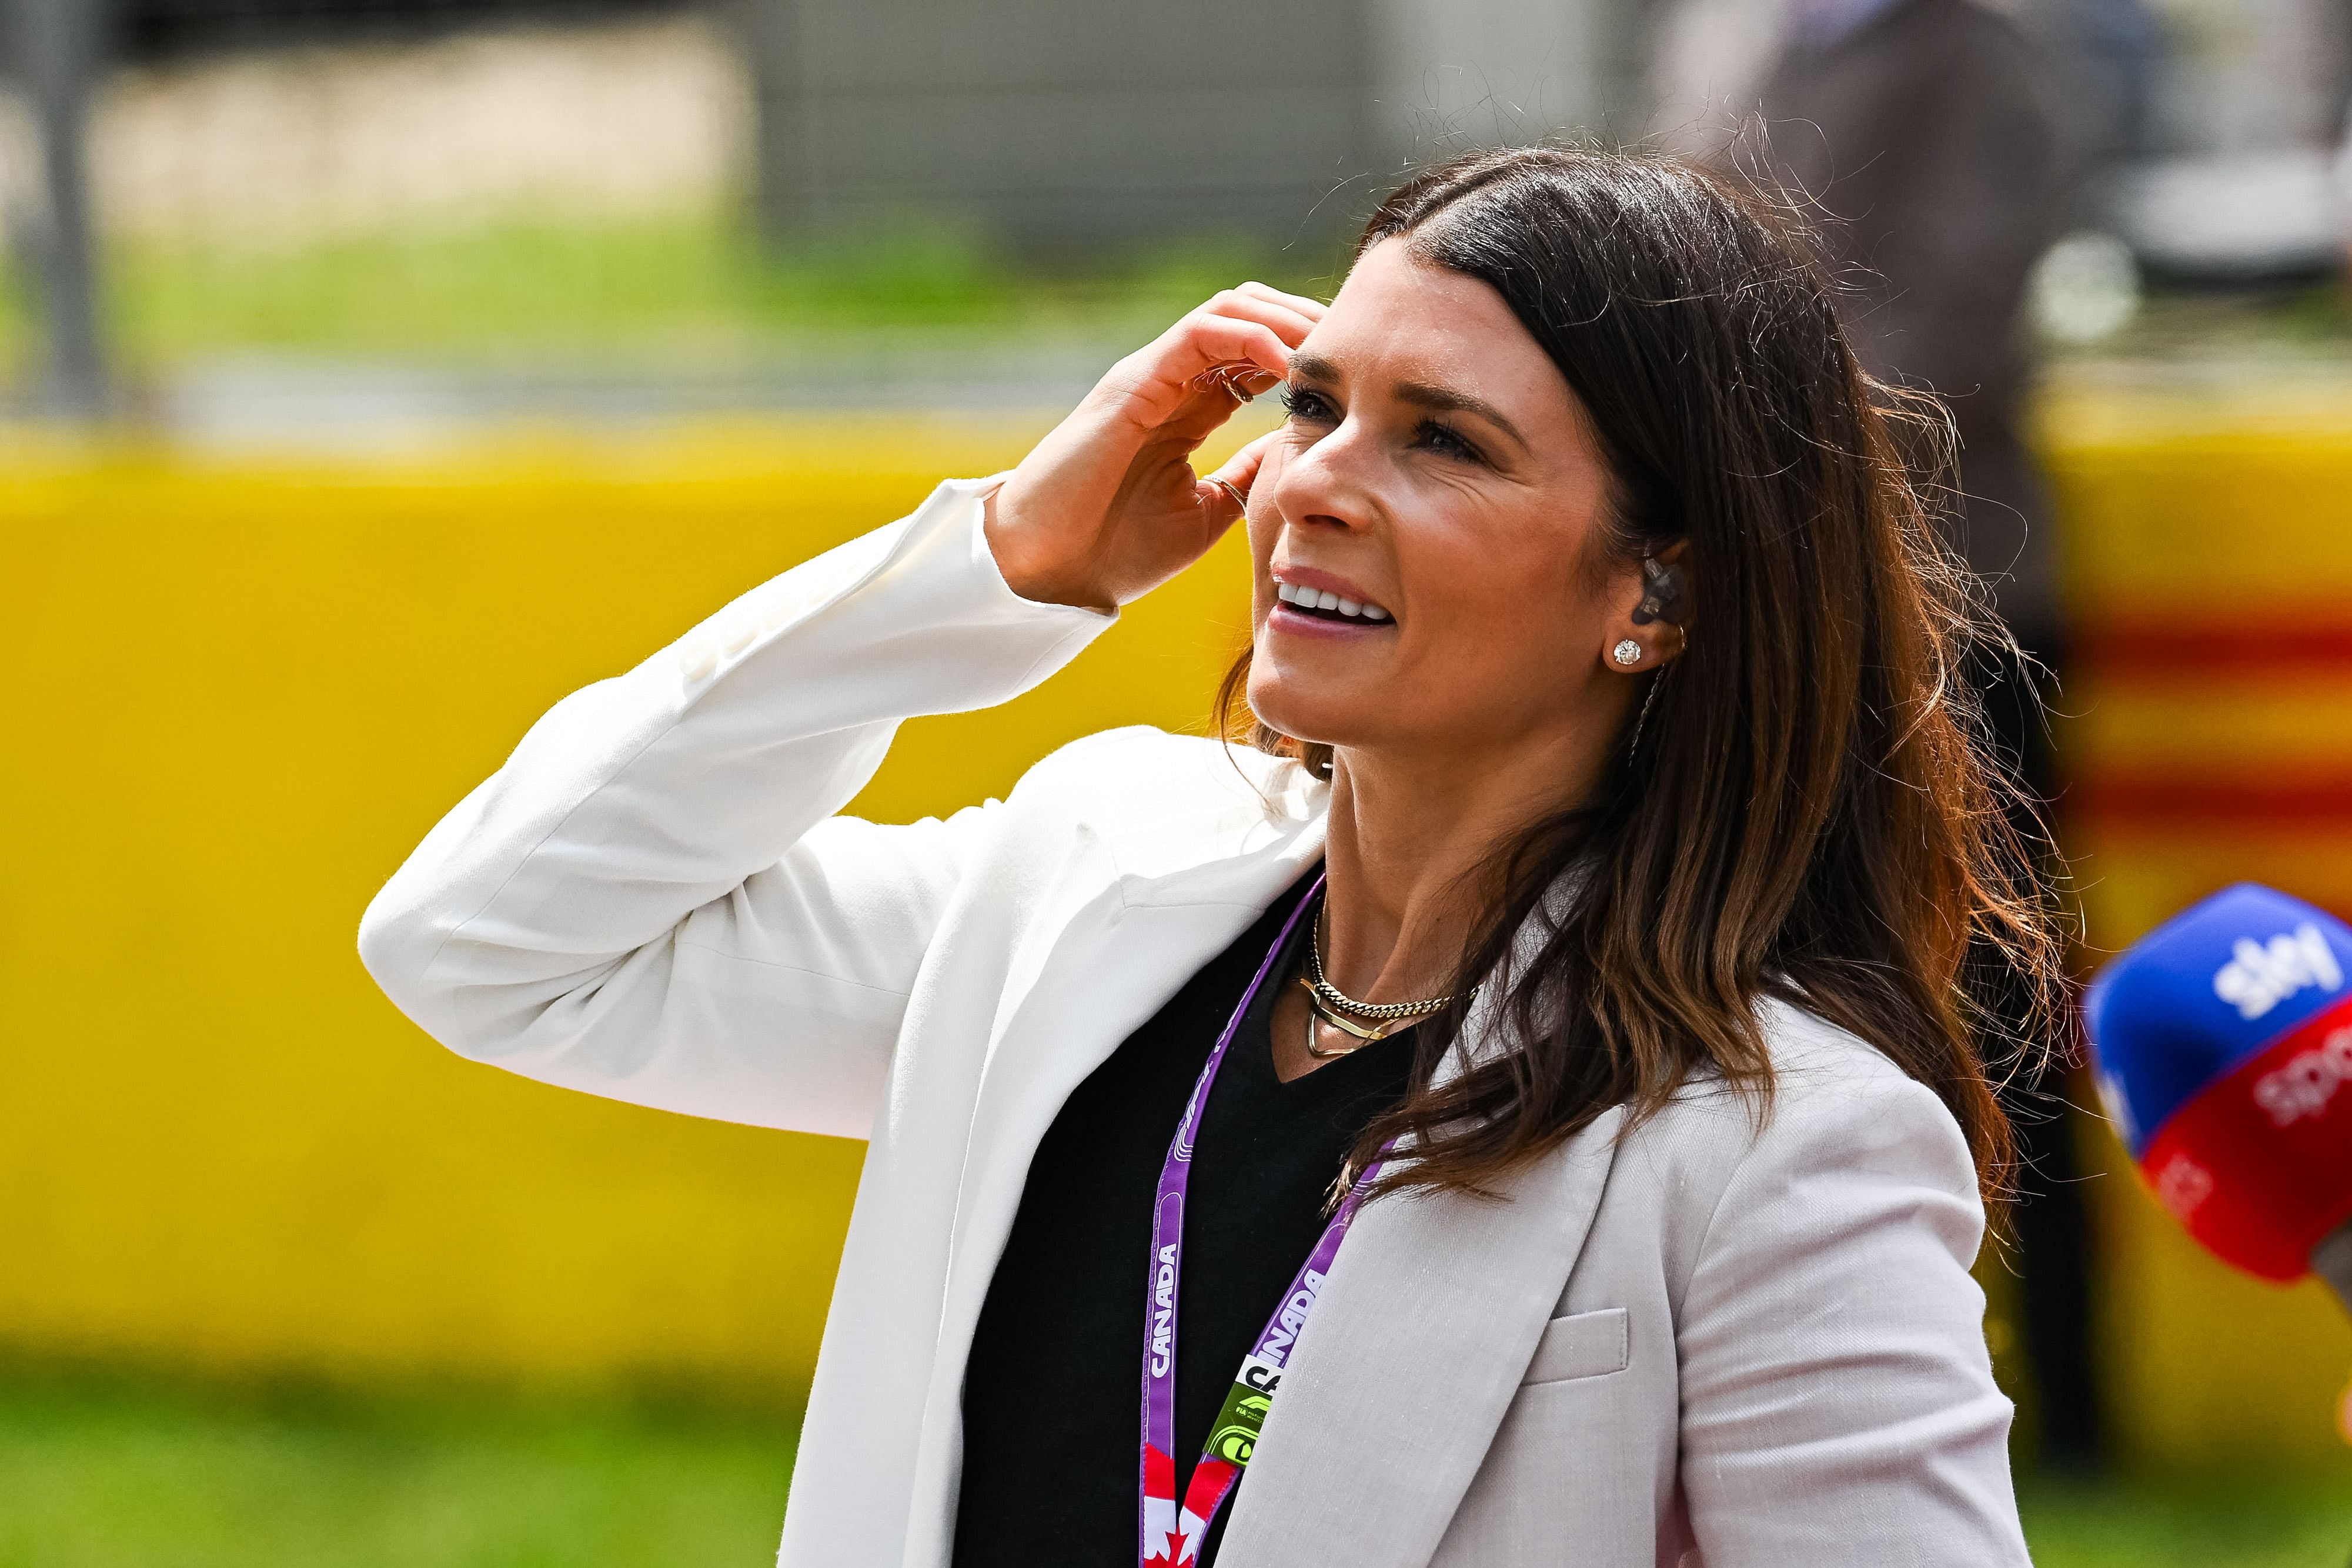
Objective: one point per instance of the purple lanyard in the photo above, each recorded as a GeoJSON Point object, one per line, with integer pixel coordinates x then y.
{"type": "Point", "coordinates": [1170, 1536]}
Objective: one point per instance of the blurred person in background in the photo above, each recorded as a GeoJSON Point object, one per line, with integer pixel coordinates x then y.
{"type": "Point", "coordinates": [1927, 137]}
{"type": "Point", "coordinates": [1932, 145]}
{"type": "Point", "coordinates": [1576, 924]}
{"type": "Point", "coordinates": [2344, 193]}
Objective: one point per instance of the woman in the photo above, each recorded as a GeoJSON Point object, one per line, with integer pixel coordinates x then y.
{"type": "Point", "coordinates": [1581, 941]}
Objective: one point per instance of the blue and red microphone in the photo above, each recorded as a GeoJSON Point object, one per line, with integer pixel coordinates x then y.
{"type": "Point", "coordinates": [2224, 1041]}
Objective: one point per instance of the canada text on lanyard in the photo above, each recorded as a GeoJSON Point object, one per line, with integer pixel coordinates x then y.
{"type": "Point", "coordinates": [1170, 1536]}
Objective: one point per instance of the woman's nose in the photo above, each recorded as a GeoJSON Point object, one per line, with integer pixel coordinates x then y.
{"type": "Point", "coordinates": [1326, 484]}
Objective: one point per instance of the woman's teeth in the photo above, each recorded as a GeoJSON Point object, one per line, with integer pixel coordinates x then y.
{"type": "Point", "coordinates": [1323, 599]}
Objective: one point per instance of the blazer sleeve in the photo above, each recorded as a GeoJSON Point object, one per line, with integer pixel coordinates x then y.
{"type": "Point", "coordinates": [654, 900]}
{"type": "Point", "coordinates": [1838, 1401]}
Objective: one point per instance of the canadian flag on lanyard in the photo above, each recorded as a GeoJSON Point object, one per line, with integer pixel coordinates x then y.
{"type": "Point", "coordinates": [1161, 1539]}
{"type": "Point", "coordinates": [1175, 1533]}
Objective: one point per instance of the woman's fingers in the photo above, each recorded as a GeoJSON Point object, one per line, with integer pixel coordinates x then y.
{"type": "Point", "coordinates": [1240, 469]}
{"type": "Point", "coordinates": [1183, 380]}
{"type": "Point", "coordinates": [1221, 506]}
{"type": "Point", "coordinates": [1238, 346]}
{"type": "Point", "coordinates": [1311, 308]}
{"type": "Point", "coordinates": [1209, 340]}
{"type": "Point", "coordinates": [1242, 328]}
{"type": "Point", "coordinates": [1243, 381]}
{"type": "Point", "coordinates": [1258, 296]}
{"type": "Point", "coordinates": [1279, 312]}
{"type": "Point", "coordinates": [1238, 343]}
{"type": "Point", "coordinates": [1246, 379]}
{"type": "Point", "coordinates": [1289, 317]}
{"type": "Point", "coordinates": [1225, 493]}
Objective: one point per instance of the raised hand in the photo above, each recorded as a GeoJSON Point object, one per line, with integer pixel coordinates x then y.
{"type": "Point", "coordinates": [1108, 506]}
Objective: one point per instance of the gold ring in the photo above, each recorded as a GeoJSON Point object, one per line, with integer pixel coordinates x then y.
{"type": "Point", "coordinates": [1227, 378]}
{"type": "Point", "coordinates": [1241, 502]}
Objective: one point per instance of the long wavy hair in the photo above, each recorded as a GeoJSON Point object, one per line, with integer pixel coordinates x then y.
{"type": "Point", "coordinates": [1811, 812]}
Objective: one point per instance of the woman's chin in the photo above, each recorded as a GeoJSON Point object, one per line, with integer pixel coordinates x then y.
{"type": "Point", "coordinates": [1316, 713]}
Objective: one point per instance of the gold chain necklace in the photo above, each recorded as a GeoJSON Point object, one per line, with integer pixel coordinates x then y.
{"type": "Point", "coordinates": [1342, 1001]}
{"type": "Point", "coordinates": [1316, 1010]}
{"type": "Point", "coordinates": [1330, 1004]}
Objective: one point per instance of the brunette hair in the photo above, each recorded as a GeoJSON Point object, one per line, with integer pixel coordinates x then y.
{"type": "Point", "coordinates": [1811, 813]}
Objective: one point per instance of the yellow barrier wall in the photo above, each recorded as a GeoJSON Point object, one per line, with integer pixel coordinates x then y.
{"type": "Point", "coordinates": [238, 695]}
{"type": "Point", "coordinates": [236, 698]}
{"type": "Point", "coordinates": [2210, 554]}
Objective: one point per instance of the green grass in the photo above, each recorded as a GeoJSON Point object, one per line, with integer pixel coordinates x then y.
{"type": "Point", "coordinates": [694, 290]}
{"type": "Point", "coordinates": [685, 288]}
{"type": "Point", "coordinates": [2309, 323]}
{"type": "Point", "coordinates": [2245, 1524]}
{"type": "Point", "coordinates": [99, 1475]}
{"type": "Point", "coordinates": [99, 1472]}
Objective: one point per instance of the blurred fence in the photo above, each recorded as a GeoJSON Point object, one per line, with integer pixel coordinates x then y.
{"type": "Point", "coordinates": [239, 694]}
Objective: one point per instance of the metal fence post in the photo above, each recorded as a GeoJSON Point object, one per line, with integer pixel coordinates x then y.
{"type": "Point", "coordinates": [59, 49]}
{"type": "Point", "coordinates": [770, 31]}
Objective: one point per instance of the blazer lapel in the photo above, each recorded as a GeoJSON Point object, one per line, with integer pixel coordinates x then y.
{"type": "Point", "coordinates": [1414, 1350]}
{"type": "Point", "coordinates": [1127, 944]}
{"type": "Point", "coordinates": [1132, 938]}
{"type": "Point", "coordinates": [1117, 962]}
{"type": "Point", "coordinates": [1130, 942]}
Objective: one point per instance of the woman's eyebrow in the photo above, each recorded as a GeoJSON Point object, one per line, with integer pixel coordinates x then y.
{"type": "Point", "coordinates": [1313, 367]}
{"type": "Point", "coordinates": [1305, 366]}
{"type": "Point", "coordinates": [1426, 395]}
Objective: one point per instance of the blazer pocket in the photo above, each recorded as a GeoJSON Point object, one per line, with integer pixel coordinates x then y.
{"type": "Point", "coordinates": [1582, 1345]}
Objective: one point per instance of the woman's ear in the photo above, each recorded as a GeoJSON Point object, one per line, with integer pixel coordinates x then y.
{"type": "Point", "coordinates": [1653, 624]}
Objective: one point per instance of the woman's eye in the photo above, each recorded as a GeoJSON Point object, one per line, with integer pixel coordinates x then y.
{"type": "Point", "coordinates": [1305, 405]}
{"type": "Point", "coordinates": [1450, 443]}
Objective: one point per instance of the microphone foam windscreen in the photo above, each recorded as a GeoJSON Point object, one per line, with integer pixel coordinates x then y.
{"type": "Point", "coordinates": [2223, 1043]}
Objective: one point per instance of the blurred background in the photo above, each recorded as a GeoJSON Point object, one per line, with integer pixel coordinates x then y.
{"type": "Point", "coordinates": [374, 371]}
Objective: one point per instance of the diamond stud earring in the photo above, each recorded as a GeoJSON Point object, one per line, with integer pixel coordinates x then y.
{"type": "Point", "coordinates": [1628, 651]}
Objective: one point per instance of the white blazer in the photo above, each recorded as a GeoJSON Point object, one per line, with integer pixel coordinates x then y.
{"type": "Point", "coordinates": [1748, 1342]}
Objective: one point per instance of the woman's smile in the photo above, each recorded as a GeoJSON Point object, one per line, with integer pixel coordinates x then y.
{"type": "Point", "coordinates": [1321, 604]}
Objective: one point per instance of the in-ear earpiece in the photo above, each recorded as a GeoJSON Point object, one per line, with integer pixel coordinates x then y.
{"type": "Point", "coordinates": [1661, 591]}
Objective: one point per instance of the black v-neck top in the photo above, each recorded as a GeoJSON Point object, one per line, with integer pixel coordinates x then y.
{"type": "Point", "coordinates": [1052, 1393]}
